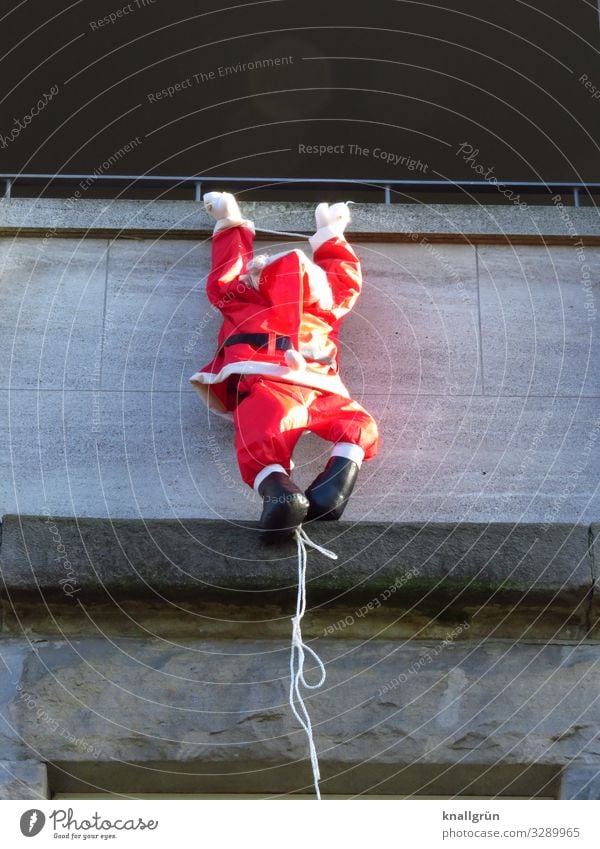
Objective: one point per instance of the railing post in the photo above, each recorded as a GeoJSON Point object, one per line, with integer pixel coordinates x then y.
{"type": "Point", "coordinates": [575, 196]}
{"type": "Point", "coordinates": [198, 192]}
{"type": "Point", "coordinates": [7, 188]}
{"type": "Point", "coordinates": [387, 195]}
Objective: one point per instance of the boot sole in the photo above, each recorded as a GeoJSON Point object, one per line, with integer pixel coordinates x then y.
{"type": "Point", "coordinates": [332, 514]}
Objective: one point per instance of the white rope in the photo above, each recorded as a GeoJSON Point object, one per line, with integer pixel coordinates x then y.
{"type": "Point", "coordinates": [298, 236]}
{"type": "Point", "coordinates": [281, 233]}
{"type": "Point", "coordinates": [299, 648]}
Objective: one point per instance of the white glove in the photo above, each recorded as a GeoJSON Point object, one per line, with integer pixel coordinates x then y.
{"type": "Point", "coordinates": [337, 216]}
{"type": "Point", "coordinates": [224, 208]}
{"type": "Point", "coordinates": [331, 222]}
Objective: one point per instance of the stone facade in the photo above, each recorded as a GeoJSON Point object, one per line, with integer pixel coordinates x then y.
{"type": "Point", "coordinates": [144, 629]}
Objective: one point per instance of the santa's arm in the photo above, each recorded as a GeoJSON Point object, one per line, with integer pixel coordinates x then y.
{"type": "Point", "coordinates": [231, 251]}
{"type": "Point", "coordinates": [232, 248]}
{"type": "Point", "coordinates": [335, 256]}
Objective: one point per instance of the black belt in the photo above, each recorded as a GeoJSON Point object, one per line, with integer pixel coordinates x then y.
{"type": "Point", "coordinates": [258, 340]}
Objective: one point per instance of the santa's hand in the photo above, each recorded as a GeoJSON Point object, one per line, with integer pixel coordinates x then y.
{"type": "Point", "coordinates": [322, 215]}
{"type": "Point", "coordinates": [254, 269]}
{"type": "Point", "coordinates": [337, 215]}
{"type": "Point", "coordinates": [224, 208]}
{"type": "Point", "coordinates": [331, 222]}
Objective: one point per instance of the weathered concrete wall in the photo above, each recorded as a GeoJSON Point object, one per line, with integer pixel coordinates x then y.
{"type": "Point", "coordinates": [460, 658]}
{"type": "Point", "coordinates": [479, 361]}
{"type": "Point", "coordinates": [221, 707]}
{"type": "Point", "coordinates": [23, 780]}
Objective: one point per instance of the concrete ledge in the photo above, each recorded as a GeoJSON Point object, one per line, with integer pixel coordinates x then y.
{"type": "Point", "coordinates": [226, 701]}
{"type": "Point", "coordinates": [428, 565]}
{"type": "Point", "coordinates": [186, 219]}
{"type": "Point", "coordinates": [23, 780]}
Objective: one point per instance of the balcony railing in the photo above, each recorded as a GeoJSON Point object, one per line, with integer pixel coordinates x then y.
{"type": "Point", "coordinates": [199, 184]}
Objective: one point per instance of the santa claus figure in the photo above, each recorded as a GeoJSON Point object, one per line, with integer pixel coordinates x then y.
{"type": "Point", "coordinates": [275, 372]}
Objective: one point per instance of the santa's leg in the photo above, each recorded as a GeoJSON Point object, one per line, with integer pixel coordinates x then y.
{"type": "Point", "coordinates": [268, 423]}
{"type": "Point", "coordinates": [354, 432]}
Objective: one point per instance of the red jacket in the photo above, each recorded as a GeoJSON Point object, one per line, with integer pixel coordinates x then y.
{"type": "Point", "coordinates": [303, 300]}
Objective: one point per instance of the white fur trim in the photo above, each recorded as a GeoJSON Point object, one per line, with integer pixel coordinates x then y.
{"type": "Point", "coordinates": [256, 267]}
{"type": "Point", "coordinates": [350, 451]}
{"type": "Point", "coordinates": [319, 286]}
{"type": "Point", "coordinates": [203, 380]}
{"type": "Point", "coordinates": [271, 257]}
{"type": "Point", "coordinates": [264, 473]}
{"type": "Point", "coordinates": [317, 278]}
{"type": "Point", "coordinates": [324, 234]}
{"type": "Point", "coordinates": [295, 360]}
{"type": "Point", "coordinates": [226, 223]}
{"type": "Point", "coordinates": [310, 351]}
{"type": "Point", "coordinates": [258, 263]}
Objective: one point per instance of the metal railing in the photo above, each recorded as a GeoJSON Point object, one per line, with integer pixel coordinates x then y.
{"type": "Point", "coordinates": [199, 184]}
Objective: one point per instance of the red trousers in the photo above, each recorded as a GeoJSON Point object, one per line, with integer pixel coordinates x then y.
{"type": "Point", "coordinates": [272, 416]}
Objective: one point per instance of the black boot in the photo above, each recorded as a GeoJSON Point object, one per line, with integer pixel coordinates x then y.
{"type": "Point", "coordinates": [284, 507]}
{"type": "Point", "coordinates": [328, 494]}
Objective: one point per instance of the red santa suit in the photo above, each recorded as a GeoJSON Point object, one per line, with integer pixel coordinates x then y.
{"type": "Point", "coordinates": [276, 368]}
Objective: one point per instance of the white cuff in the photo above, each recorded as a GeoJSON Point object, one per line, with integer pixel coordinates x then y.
{"type": "Point", "coordinates": [319, 287]}
{"type": "Point", "coordinates": [264, 473]}
{"type": "Point", "coordinates": [324, 234]}
{"type": "Point", "coordinates": [350, 451]}
{"type": "Point", "coordinates": [226, 223]}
